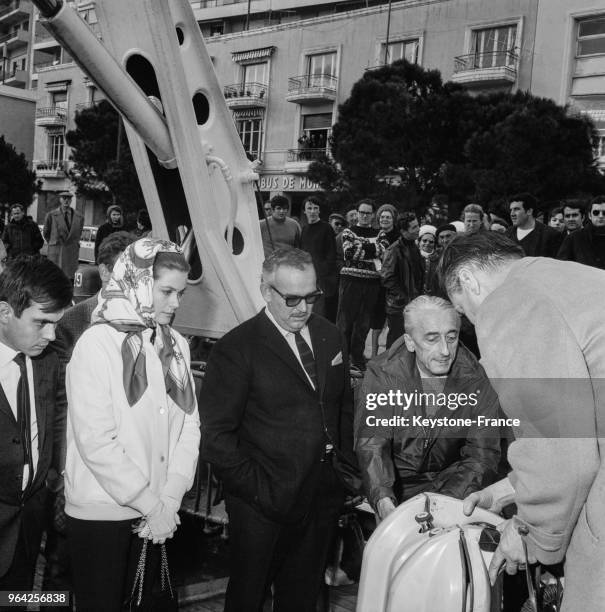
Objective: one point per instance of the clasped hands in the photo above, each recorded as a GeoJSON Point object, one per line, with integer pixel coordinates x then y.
{"type": "Point", "coordinates": [161, 523]}
{"type": "Point", "coordinates": [511, 554]}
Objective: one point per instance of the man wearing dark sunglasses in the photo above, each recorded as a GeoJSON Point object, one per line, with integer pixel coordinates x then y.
{"type": "Point", "coordinates": [277, 410]}
{"type": "Point", "coordinates": [587, 245]}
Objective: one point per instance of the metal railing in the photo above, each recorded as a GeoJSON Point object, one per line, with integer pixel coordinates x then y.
{"type": "Point", "coordinates": [312, 82]}
{"type": "Point", "coordinates": [50, 165]}
{"type": "Point", "coordinates": [52, 111]}
{"type": "Point", "coordinates": [480, 61]}
{"type": "Point", "coordinates": [245, 90]}
{"type": "Point", "coordinates": [214, 3]}
{"type": "Point", "coordinates": [12, 7]}
{"type": "Point", "coordinates": [306, 154]}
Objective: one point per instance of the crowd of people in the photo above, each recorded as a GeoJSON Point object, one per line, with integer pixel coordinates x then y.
{"type": "Point", "coordinates": [98, 405]}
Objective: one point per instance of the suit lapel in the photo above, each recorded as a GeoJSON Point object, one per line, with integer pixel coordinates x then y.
{"type": "Point", "coordinates": [40, 399]}
{"type": "Point", "coordinates": [275, 342]}
{"type": "Point", "coordinates": [320, 351]}
{"type": "Point", "coordinates": [5, 406]}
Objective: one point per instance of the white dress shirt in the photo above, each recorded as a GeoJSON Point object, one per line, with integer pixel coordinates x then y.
{"type": "Point", "coordinates": [9, 379]}
{"type": "Point", "coordinates": [291, 340]}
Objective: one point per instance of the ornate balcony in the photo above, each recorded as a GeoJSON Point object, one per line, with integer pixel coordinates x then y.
{"type": "Point", "coordinates": [484, 70]}
{"type": "Point", "coordinates": [50, 168]}
{"type": "Point", "coordinates": [246, 95]}
{"type": "Point", "coordinates": [298, 160]}
{"type": "Point", "coordinates": [312, 88]}
{"type": "Point", "coordinates": [51, 116]}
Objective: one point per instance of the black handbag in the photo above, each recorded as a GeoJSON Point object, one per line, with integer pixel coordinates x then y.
{"type": "Point", "coordinates": [160, 598]}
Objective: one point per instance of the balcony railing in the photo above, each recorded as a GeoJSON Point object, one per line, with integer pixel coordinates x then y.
{"type": "Point", "coordinates": [480, 61]}
{"type": "Point", "coordinates": [51, 111]}
{"type": "Point", "coordinates": [306, 155]}
{"type": "Point", "coordinates": [246, 95]}
{"type": "Point", "coordinates": [312, 82]}
{"type": "Point", "coordinates": [12, 7]}
{"type": "Point", "coordinates": [50, 167]}
{"type": "Point", "coordinates": [214, 3]}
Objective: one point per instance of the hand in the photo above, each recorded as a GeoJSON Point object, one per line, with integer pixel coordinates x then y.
{"type": "Point", "coordinates": [160, 524]}
{"type": "Point", "coordinates": [384, 507]}
{"type": "Point", "coordinates": [484, 499]}
{"type": "Point", "coordinates": [172, 505]}
{"type": "Point", "coordinates": [511, 552]}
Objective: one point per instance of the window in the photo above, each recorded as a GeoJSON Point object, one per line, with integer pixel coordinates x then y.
{"type": "Point", "coordinates": [599, 151]}
{"type": "Point", "coordinates": [251, 133]}
{"type": "Point", "coordinates": [321, 70]}
{"type": "Point", "coordinates": [316, 130]}
{"type": "Point", "coordinates": [255, 73]}
{"type": "Point", "coordinates": [402, 49]}
{"type": "Point", "coordinates": [56, 147]}
{"type": "Point", "coordinates": [216, 28]}
{"type": "Point", "coordinates": [494, 47]}
{"type": "Point", "coordinates": [591, 36]}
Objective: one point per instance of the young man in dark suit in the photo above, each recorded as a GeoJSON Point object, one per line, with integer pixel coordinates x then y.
{"type": "Point", "coordinates": [33, 295]}
{"type": "Point", "coordinates": [277, 413]}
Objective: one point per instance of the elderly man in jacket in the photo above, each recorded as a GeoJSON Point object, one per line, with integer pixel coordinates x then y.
{"type": "Point", "coordinates": [427, 386]}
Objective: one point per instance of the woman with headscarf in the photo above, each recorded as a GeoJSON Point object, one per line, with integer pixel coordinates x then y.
{"type": "Point", "coordinates": [426, 246]}
{"type": "Point", "coordinates": [133, 425]}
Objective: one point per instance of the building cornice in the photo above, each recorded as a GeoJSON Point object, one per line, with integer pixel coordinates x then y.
{"type": "Point", "coordinates": [396, 6]}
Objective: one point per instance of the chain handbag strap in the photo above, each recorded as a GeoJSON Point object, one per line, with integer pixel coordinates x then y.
{"type": "Point", "coordinates": [165, 573]}
{"type": "Point", "coordinates": [137, 585]}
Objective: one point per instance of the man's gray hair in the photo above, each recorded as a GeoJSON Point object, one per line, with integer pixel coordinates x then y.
{"type": "Point", "coordinates": [473, 208]}
{"type": "Point", "coordinates": [291, 258]}
{"type": "Point", "coordinates": [421, 303]}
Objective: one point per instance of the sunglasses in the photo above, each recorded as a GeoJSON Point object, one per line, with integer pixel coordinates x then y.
{"type": "Point", "coordinates": [295, 300]}
{"type": "Point", "coordinates": [598, 213]}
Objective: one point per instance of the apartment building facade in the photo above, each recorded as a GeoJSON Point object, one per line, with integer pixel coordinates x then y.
{"type": "Point", "coordinates": [286, 65]}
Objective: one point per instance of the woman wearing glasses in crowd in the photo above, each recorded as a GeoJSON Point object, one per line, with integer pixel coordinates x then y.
{"type": "Point", "coordinates": [133, 425]}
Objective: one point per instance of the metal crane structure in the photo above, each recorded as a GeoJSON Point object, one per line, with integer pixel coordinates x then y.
{"type": "Point", "coordinates": [152, 65]}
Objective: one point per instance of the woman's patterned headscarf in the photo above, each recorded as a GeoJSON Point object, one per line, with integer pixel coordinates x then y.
{"type": "Point", "coordinates": [126, 303]}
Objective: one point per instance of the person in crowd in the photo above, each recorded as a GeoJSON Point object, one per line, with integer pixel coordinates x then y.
{"type": "Point", "coordinates": [352, 217]}
{"type": "Point", "coordinates": [400, 462]}
{"type": "Point", "coordinates": [555, 219]}
{"type": "Point", "coordinates": [3, 256]}
{"type": "Point", "coordinates": [33, 295]}
{"type": "Point", "coordinates": [573, 216]}
{"type": "Point", "coordinates": [386, 216]}
{"type": "Point", "coordinates": [535, 238]}
{"type": "Point", "coordinates": [337, 221]}
{"type": "Point", "coordinates": [430, 257]}
{"type": "Point", "coordinates": [21, 235]}
{"type": "Point", "coordinates": [78, 318]}
{"type": "Point", "coordinates": [359, 282]}
{"type": "Point", "coordinates": [267, 209]}
{"type": "Point", "coordinates": [114, 223]}
{"type": "Point", "coordinates": [282, 488]}
{"type": "Point", "coordinates": [472, 217]}
{"type": "Point", "coordinates": [62, 231]}
{"type": "Point", "coordinates": [278, 230]}
{"type": "Point", "coordinates": [547, 364]}
{"type": "Point", "coordinates": [133, 426]}
{"type": "Point", "coordinates": [317, 238]}
{"type": "Point", "coordinates": [587, 245]}
{"type": "Point", "coordinates": [143, 224]}
{"type": "Point", "coordinates": [402, 274]}
{"type": "Point", "coordinates": [388, 233]}
{"type": "Point", "coordinates": [444, 235]}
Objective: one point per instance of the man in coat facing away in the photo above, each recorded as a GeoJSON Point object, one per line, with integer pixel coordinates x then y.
{"type": "Point", "coordinates": [33, 296]}
{"type": "Point", "coordinates": [541, 334]}
{"type": "Point", "coordinates": [62, 231]}
{"type": "Point", "coordinates": [277, 413]}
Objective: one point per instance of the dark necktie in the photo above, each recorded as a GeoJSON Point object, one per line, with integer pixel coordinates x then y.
{"type": "Point", "coordinates": [306, 356]}
{"type": "Point", "coordinates": [67, 216]}
{"type": "Point", "coordinates": [24, 415]}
